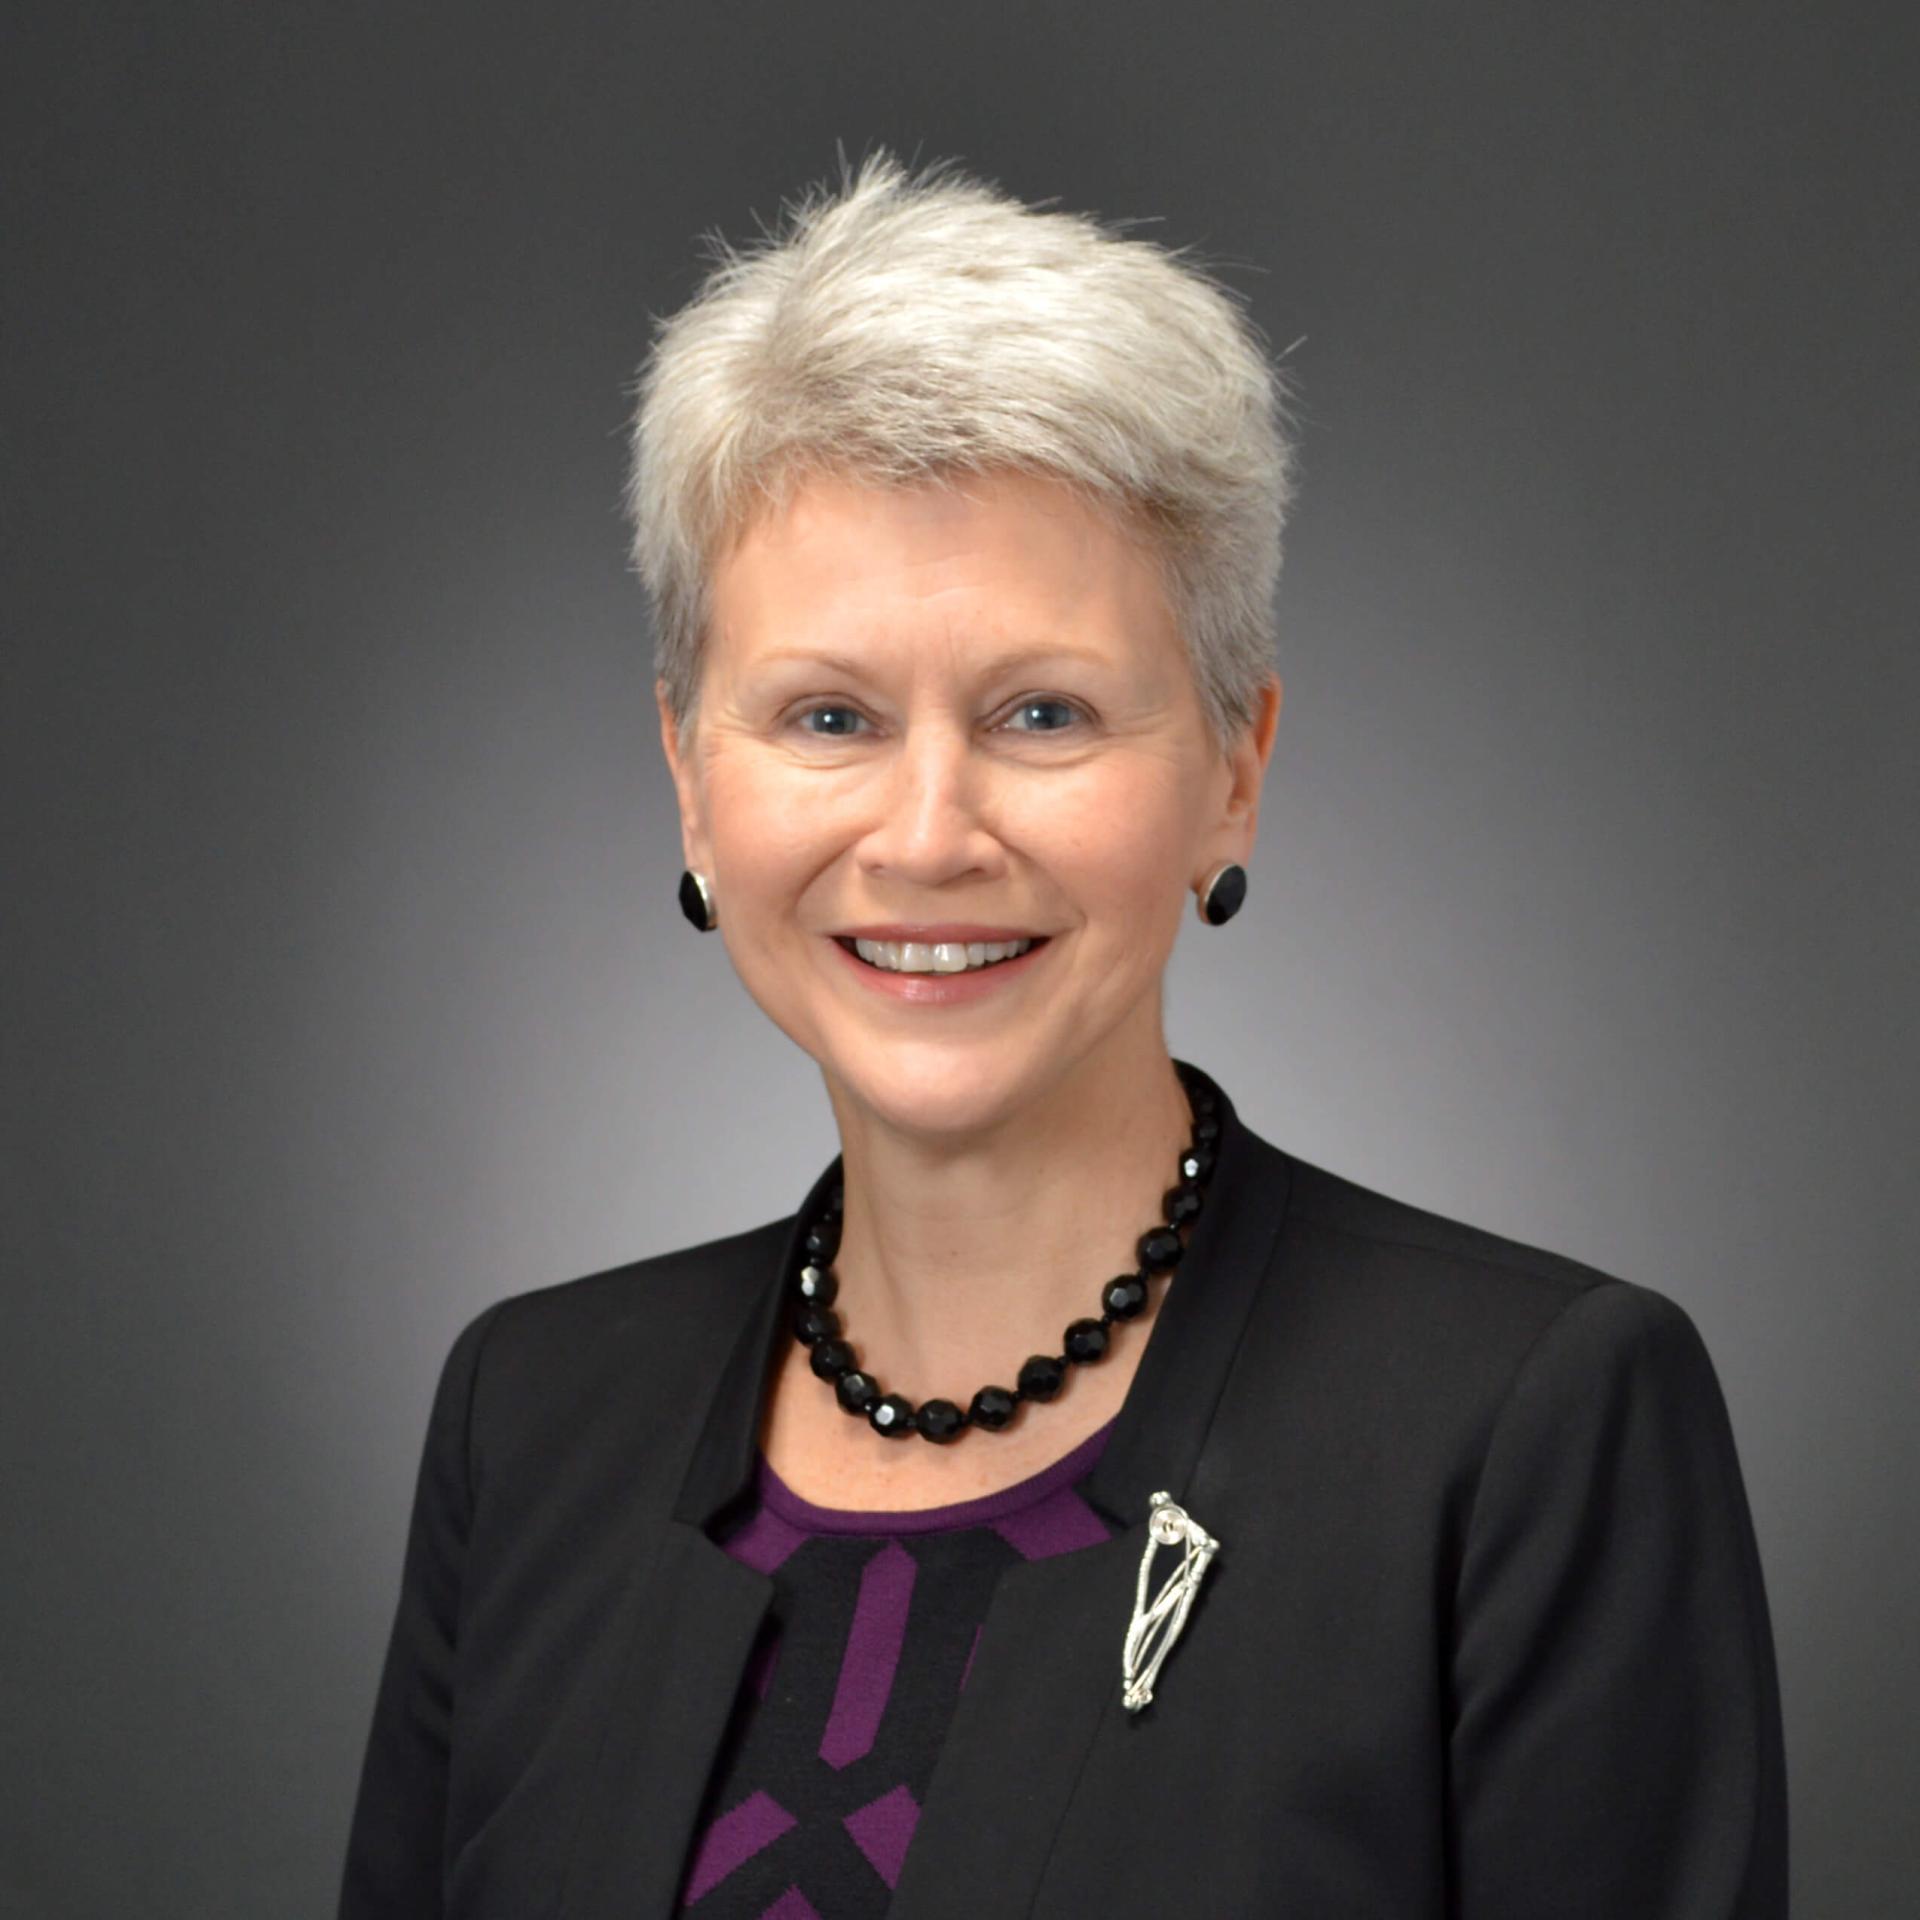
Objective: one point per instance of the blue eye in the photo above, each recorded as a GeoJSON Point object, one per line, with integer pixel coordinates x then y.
{"type": "Point", "coordinates": [837, 723]}
{"type": "Point", "coordinates": [1043, 716]}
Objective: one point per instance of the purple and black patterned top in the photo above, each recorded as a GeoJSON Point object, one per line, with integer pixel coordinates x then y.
{"type": "Point", "coordinates": [842, 1712]}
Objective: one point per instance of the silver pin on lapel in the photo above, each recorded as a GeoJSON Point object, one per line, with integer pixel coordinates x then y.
{"type": "Point", "coordinates": [1156, 1623]}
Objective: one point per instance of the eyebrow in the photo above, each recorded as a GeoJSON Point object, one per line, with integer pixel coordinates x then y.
{"type": "Point", "coordinates": [1039, 653]}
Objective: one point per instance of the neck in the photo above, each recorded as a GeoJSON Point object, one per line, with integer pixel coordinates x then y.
{"type": "Point", "coordinates": [958, 1259]}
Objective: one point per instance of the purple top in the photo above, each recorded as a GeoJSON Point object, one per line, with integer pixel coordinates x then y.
{"type": "Point", "coordinates": [844, 1706]}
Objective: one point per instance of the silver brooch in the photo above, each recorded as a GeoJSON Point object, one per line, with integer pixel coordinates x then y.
{"type": "Point", "coordinates": [1156, 1623]}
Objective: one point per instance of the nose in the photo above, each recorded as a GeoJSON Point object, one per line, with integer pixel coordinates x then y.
{"type": "Point", "coordinates": [929, 830]}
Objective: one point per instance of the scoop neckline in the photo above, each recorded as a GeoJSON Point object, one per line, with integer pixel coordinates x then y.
{"type": "Point", "coordinates": [982, 1510]}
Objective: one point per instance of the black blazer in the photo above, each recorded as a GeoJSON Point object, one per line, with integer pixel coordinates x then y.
{"type": "Point", "coordinates": [1486, 1635]}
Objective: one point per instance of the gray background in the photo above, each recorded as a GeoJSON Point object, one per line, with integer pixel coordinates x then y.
{"type": "Point", "coordinates": [345, 989]}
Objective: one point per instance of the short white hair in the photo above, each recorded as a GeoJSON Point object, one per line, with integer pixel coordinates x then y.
{"type": "Point", "coordinates": [910, 327]}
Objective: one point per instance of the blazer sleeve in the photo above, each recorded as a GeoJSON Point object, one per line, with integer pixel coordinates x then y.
{"type": "Point", "coordinates": [396, 1845]}
{"type": "Point", "coordinates": [1615, 1747]}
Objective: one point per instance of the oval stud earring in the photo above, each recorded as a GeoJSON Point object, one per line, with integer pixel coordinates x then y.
{"type": "Point", "coordinates": [696, 901]}
{"type": "Point", "coordinates": [1224, 894]}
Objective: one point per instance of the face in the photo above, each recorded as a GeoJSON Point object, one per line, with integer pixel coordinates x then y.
{"type": "Point", "coordinates": [934, 724]}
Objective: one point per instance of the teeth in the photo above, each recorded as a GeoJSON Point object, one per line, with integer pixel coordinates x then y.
{"type": "Point", "coordinates": [945, 956]}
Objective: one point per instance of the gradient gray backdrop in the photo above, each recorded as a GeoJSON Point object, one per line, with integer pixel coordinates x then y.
{"type": "Point", "coordinates": [346, 992]}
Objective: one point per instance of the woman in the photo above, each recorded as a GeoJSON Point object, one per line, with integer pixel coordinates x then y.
{"type": "Point", "coordinates": [1079, 1506]}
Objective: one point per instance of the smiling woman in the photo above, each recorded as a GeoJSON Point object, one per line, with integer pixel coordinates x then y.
{"type": "Point", "coordinates": [962, 521]}
{"type": "Point", "coordinates": [933, 625]}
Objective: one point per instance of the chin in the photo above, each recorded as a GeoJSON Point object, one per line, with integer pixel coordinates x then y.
{"type": "Point", "coordinates": [935, 1088]}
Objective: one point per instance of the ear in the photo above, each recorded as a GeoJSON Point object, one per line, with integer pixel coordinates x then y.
{"type": "Point", "coordinates": [693, 835]}
{"type": "Point", "coordinates": [1246, 763]}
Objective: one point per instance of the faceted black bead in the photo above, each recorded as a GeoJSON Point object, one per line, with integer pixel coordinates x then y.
{"type": "Point", "coordinates": [822, 1242]}
{"type": "Point", "coordinates": [1086, 1342]}
{"type": "Point", "coordinates": [1126, 1297]}
{"type": "Point", "coordinates": [1206, 1130]}
{"type": "Point", "coordinates": [813, 1324]}
{"type": "Point", "coordinates": [992, 1408]}
{"type": "Point", "coordinates": [1042, 1377]}
{"type": "Point", "coordinates": [1196, 1163]}
{"type": "Point", "coordinates": [857, 1391]}
{"type": "Point", "coordinates": [830, 1358]}
{"type": "Point", "coordinates": [892, 1415]}
{"type": "Point", "coordinates": [836, 1202]}
{"type": "Point", "coordinates": [1200, 1099]}
{"type": "Point", "coordinates": [817, 1284]}
{"type": "Point", "coordinates": [1181, 1203]}
{"type": "Point", "coordinates": [939, 1421]}
{"type": "Point", "coordinates": [1159, 1250]}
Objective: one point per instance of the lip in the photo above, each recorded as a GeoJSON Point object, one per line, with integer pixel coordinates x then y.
{"type": "Point", "coordinates": [958, 932]}
{"type": "Point", "coordinates": [940, 989]}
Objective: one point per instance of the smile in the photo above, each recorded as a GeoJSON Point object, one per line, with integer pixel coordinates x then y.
{"type": "Point", "coordinates": [941, 956]}
{"type": "Point", "coordinates": [933, 972]}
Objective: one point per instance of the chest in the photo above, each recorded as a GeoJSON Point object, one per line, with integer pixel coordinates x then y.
{"type": "Point", "coordinates": [1293, 1750]}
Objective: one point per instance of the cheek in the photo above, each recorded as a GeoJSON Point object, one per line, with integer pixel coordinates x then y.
{"type": "Point", "coordinates": [1118, 840]}
{"type": "Point", "coordinates": [764, 847]}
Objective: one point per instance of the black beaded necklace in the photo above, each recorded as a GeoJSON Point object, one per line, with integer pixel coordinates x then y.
{"type": "Point", "coordinates": [817, 1326]}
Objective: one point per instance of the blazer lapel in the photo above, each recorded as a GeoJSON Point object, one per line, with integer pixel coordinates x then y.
{"type": "Point", "coordinates": [1046, 1677]}
{"type": "Point", "coordinates": [691, 1618]}
{"type": "Point", "coordinates": [694, 1615]}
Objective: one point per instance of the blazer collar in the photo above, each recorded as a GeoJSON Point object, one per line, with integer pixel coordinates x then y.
{"type": "Point", "coordinates": [1163, 1423]}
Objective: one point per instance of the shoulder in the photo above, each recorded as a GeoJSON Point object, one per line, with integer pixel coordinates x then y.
{"type": "Point", "coordinates": [1419, 1333]}
{"type": "Point", "coordinates": [692, 1291]}
{"type": "Point", "coordinates": [1409, 1270]}
{"type": "Point", "coordinates": [624, 1356]}
{"type": "Point", "coordinates": [1332, 1213]}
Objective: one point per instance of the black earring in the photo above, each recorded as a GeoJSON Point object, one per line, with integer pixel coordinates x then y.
{"type": "Point", "coordinates": [696, 901]}
{"type": "Point", "coordinates": [1224, 894]}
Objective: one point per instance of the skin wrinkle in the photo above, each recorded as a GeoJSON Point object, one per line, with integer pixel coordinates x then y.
{"type": "Point", "coordinates": [1001, 1155]}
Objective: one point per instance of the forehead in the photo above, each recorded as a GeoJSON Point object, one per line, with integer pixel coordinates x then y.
{"type": "Point", "coordinates": [1001, 551]}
